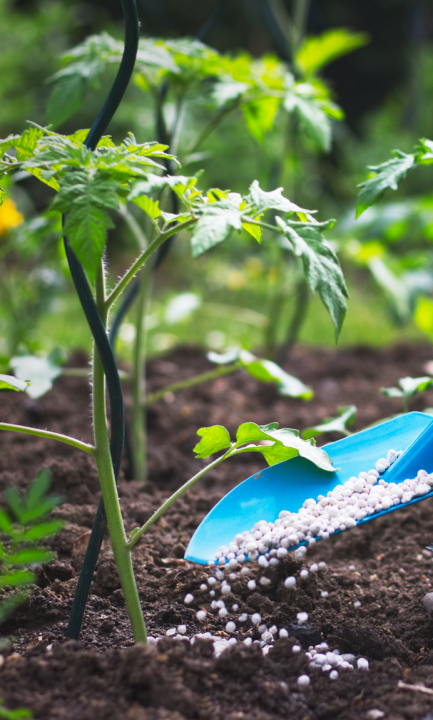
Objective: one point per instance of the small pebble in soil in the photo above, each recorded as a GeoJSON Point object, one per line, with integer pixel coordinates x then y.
{"type": "Point", "coordinates": [188, 599]}
{"type": "Point", "coordinates": [265, 581]}
{"type": "Point", "coordinates": [303, 681]}
{"type": "Point", "coordinates": [362, 664]}
{"type": "Point", "coordinates": [428, 602]}
{"type": "Point", "coordinates": [181, 629]}
{"type": "Point", "coordinates": [290, 582]}
{"type": "Point", "coordinates": [296, 649]}
{"type": "Point", "coordinates": [283, 633]}
{"type": "Point", "coordinates": [302, 617]}
{"type": "Point", "coordinates": [333, 675]}
{"type": "Point", "coordinates": [256, 618]}
{"type": "Point", "coordinates": [314, 568]}
{"type": "Point", "coordinates": [231, 627]}
{"type": "Point", "coordinates": [243, 617]}
{"type": "Point", "coordinates": [324, 594]}
{"type": "Point", "coordinates": [322, 566]}
{"type": "Point", "coordinates": [304, 573]}
{"type": "Point", "coordinates": [201, 615]}
{"type": "Point", "coordinates": [357, 604]}
{"type": "Point", "coordinates": [203, 587]}
{"type": "Point", "coordinates": [211, 580]}
{"type": "Point", "coordinates": [235, 607]}
{"type": "Point", "coordinates": [223, 612]}
{"type": "Point", "coordinates": [352, 568]}
{"type": "Point", "coordinates": [252, 584]}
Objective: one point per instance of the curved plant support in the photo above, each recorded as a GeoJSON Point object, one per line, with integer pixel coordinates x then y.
{"type": "Point", "coordinates": [97, 325]}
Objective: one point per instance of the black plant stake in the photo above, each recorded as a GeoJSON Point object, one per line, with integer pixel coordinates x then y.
{"type": "Point", "coordinates": [102, 343]}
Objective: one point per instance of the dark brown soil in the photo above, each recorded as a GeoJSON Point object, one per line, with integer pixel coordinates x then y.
{"type": "Point", "coordinates": [104, 677]}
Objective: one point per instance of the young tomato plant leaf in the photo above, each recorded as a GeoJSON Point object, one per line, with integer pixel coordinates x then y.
{"type": "Point", "coordinates": [316, 52]}
{"type": "Point", "coordinates": [285, 444]}
{"type": "Point", "coordinates": [39, 372]}
{"type": "Point", "coordinates": [339, 424]}
{"type": "Point", "coordinates": [384, 176]}
{"type": "Point", "coordinates": [312, 119]}
{"type": "Point", "coordinates": [87, 197]}
{"type": "Point", "coordinates": [408, 387]}
{"type": "Point", "coordinates": [268, 371]}
{"type": "Point", "coordinates": [321, 266]}
{"type": "Point", "coordinates": [213, 439]}
{"type": "Point", "coordinates": [216, 222]}
{"type": "Point", "coordinates": [274, 200]}
{"type": "Point", "coordinates": [9, 382]}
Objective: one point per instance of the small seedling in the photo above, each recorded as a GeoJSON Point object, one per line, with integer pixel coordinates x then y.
{"type": "Point", "coordinates": [18, 714]}
{"type": "Point", "coordinates": [22, 527]}
{"type": "Point", "coordinates": [339, 424]}
{"type": "Point", "coordinates": [408, 387]}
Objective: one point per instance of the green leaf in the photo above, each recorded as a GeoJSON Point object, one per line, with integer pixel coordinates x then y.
{"type": "Point", "coordinates": [231, 355]}
{"type": "Point", "coordinates": [215, 224]}
{"type": "Point", "coordinates": [316, 52]}
{"type": "Point", "coordinates": [39, 532]}
{"type": "Point", "coordinates": [346, 416]}
{"type": "Point", "coordinates": [384, 176]}
{"type": "Point", "coordinates": [87, 197]}
{"type": "Point", "coordinates": [13, 499]}
{"type": "Point", "coordinates": [5, 523]}
{"type": "Point", "coordinates": [409, 386]}
{"type": "Point", "coordinates": [17, 578]}
{"type": "Point", "coordinates": [150, 207]}
{"type": "Point", "coordinates": [274, 200]}
{"type": "Point", "coordinates": [312, 118]}
{"type": "Point", "coordinates": [66, 98]}
{"type": "Point", "coordinates": [286, 444]}
{"type": "Point", "coordinates": [29, 556]}
{"type": "Point", "coordinates": [268, 371]}
{"type": "Point", "coordinates": [39, 372]}
{"type": "Point", "coordinates": [8, 382]}
{"type": "Point", "coordinates": [321, 266]}
{"type": "Point", "coordinates": [214, 439]}
{"type": "Point", "coordinates": [260, 116]}
{"type": "Point", "coordinates": [38, 489]}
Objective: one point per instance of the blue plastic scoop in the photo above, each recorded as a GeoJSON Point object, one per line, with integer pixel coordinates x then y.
{"type": "Point", "coordinates": [288, 484]}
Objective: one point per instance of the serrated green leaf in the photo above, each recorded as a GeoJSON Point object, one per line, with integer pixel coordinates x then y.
{"type": "Point", "coordinates": [216, 222]}
{"type": "Point", "coordinates": [316, 52]}
{"type": "Point", "coordinates": [321, 266]}
{"type": "Point", "coordinates": [274, 200]}
{"type": "Point", "coordinates": [87, 197]}
{"type": "Point", "coordinates": [150, 207]}
{"type": "Point", "coordinates": [254, 230]}
{"type": "Point", "coordinates": [346, 416]}
{"type": "Point", "coordinates": [312, 118]}
{"type": "Point", "coordinates": [213, 439]}
{"type": "Point", "coordinates": [286, 444]}
{"type": "Point", "coordinates": [384, 176]}
{"type": "Point", "coordinates": [39, 372]}
{"type": "Point", "coordinates": [9, 382]}
{"type": "Point", "coordinates": [66, 98]}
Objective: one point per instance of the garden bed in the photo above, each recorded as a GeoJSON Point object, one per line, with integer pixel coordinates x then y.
{"type": "Point", "coordinates": [384, 566]}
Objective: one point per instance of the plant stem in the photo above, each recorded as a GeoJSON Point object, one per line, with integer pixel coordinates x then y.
{"type": "Point", "coordinates": [139, 262]}
{"type": "Point", "coordinates": [50, 436]}
{"type": "Point", "coordinates": [84, 373]}
{"type": "Point", "coordinates": [156, 515]}
{"type": "Point", "coordinates": [210, 127]}
{"type": "Point", "coordinates": [104, 464]}
{"type": "Point", "coordinates": [190, 382]}
{"type": "Point", "coordinates": [138, 379]}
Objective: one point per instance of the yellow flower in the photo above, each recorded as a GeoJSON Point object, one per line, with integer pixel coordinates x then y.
{"type": "Point", "coordinates": [9, 216]}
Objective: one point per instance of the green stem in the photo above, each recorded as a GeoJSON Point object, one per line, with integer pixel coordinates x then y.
{"type": "Point", "coordinates": [138, 379]}
{"type": "Point", "coordinates": [84, 373]}
{"type": "Point", "coordinates": [156, 515]}
{"type": "Point", "coordinates": [210, 127]}
{"type": "Point", "coordinates": [104, 464]}
{"type": "Point", "coordinates": [49, 436]}
{"type": "Point", "coordinates": [140, 261]}
{"type": "Point", "coordinates": [190, 382]}
{"type": "Point", "coordinates": [134, 227]}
